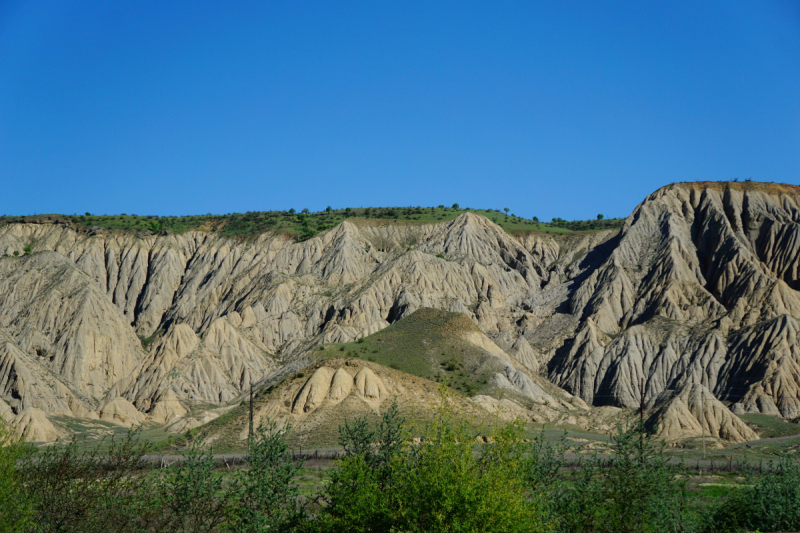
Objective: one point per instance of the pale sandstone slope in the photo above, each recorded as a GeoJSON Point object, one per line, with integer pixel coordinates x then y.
{"type": "Point", "coordinates": [692, 411]}
{"type": "Point", "coordinates": [698, 287]}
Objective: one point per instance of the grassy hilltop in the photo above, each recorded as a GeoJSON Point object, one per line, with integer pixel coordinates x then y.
{"type": "Point", "coordinates": [302, 226]}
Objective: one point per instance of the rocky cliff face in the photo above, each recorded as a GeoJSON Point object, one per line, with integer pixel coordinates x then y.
{"type": "Point", "coordinates": [699, 287]}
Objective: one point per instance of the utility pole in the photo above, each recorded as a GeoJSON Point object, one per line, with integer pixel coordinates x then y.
{"type": "Point", "coordinates": [641, 415]}
{"type": "Point", "coordinates": [250, 438]}
{"type": "Point", "coordinates": [703, 411]}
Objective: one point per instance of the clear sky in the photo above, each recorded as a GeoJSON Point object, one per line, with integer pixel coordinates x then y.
{"type": "Point", "coordinates": [563, 109]}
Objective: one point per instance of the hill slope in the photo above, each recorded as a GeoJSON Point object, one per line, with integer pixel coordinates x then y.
{"type": "Point", "coordinates": [700, 286]}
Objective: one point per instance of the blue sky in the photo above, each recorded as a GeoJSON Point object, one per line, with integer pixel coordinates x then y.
{"type": "Point", "coordinates": [563, 109]}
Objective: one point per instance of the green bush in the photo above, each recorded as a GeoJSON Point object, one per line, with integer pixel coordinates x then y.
{"type": "Point", "coordinates": [386, 483]}
{"type": "Point", "coordinates": [768, 502]}
{"type": "Point", "coordinates": [74, 491]}
{"type": "Point", "coordinates": [15, 508]}
{"type": "Point", "coordinates": [193, 498]}
{"type": "Point", "coordinates": [266, 494]}
{"type": "Point", "coordinates": [636, 491]}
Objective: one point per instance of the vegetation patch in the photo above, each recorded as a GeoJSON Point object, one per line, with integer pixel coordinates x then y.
{"type": "Point", "coordinates": [305, 224]}
{"type": "Point", "coordinates": [770, 426]}
{"type": "Point", "coordinates": [429, 343]}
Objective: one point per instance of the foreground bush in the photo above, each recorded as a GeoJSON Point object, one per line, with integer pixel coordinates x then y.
{"type": "Point", "coordinates": [191, 498]}
{"type": "Point", "coordinates": [637, 490]}
{"type": "Point", "coordinates": [767, 502]}
{"type": "Point", "coordinates": [15, 510]}
{"type": "Point", "coordinates": [386, 482]}
{"type": "Point", "coordinates": [436, 485]}
{"type": "Point", "coordinates": [88, 491]}
{"type": "Point", "coordinates": [266, 495]}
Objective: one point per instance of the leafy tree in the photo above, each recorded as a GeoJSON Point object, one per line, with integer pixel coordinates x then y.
{"type": "Point", "coordinates": [305, 210]}
{"type": "Point", "coordinates": [637, 491]}
{"type": "Point", "coordinates": [193, 497]}
{"type": "Point", "coordinates": [541, 470]}
{"type": "Point", "coordinates": [600, 217]}
{"type": "Point", "coordinates": [87, 492]}
{"type": "Point", "coordinates": [387, 483]}
{"type": "Point", "coordinates": [266, 492]}
{"type": "Point", "coordinates": [441, 485]}
{"type": "Point", "coordinates": [292, 211]}
{"type": "Point", "coordinates": [536, 219]}
{"type": "Point", "coordinates": [27, 250]}
{"type": "Point", "coordinates": [455, 206]}
{"type": "Point", "coordinates": [328, 209]}
{"type": "Point", "coordinates": [88, 214]}
{"type": "Point", "coordinates": [16, 253]}
{"type": "Point", "coordinates": [506, 210]}
{"type": "Point", "coordinates": [441, 206]}
{"type": "Point", "coordinates": [358, 496]}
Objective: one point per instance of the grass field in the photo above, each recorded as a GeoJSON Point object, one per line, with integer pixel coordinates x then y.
{"type": "Point", "coordinates": [305, 225]}
{"type": "Point", "coordinates": [769, 426]}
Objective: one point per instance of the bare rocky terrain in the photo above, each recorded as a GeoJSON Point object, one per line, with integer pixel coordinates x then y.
{"type": "Point", "coordinates": [699, 289]}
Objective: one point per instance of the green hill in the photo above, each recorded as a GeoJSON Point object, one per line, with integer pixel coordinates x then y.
{"type": "Point", "coordinates": [429, 343]}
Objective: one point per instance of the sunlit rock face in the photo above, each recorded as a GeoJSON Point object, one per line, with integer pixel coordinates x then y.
{"type": "Point", "coordinates": [700, 287]}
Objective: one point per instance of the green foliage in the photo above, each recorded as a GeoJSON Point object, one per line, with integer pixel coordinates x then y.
{"type": "Point", "coordinates": [542, 473]}
{"type": "Point", "coordinates": [193, 498]}
{"type": "Point", "coordinates": [600, 217]}
{"type": "Point", "coordinates": [27, 250]}
{"type": "Point", "coordinates": [386, 482]}
{"type": "Point", "coordinates": [15, 508]}
{"type": "Point", "coordinates": [86, 492]}
{"type": "Point", "coordinates": [426, 343]}
{"type": "Point", "coordinates": [767, 503]}
{"type": "Point", "coordinates": [266, 492]}
{"type": "Point", "coordinates": [256, 222]}
{"type": "Point", "coordinates": [438, 485]}
{"type": "Point", "coordinates": [638, 491]}
{"type": "Point", "coordinates": [455, 206]}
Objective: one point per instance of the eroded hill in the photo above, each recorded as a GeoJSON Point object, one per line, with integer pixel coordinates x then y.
{"type": "Point", "coordinates": [698, 288]}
